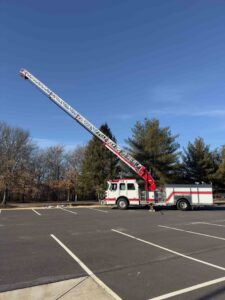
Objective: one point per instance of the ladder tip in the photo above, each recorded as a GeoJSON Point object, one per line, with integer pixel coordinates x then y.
{"type": "Point", "coordinates": [23, 73]}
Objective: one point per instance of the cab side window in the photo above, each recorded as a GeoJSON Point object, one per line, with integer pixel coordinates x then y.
{"type": "Point", "coordinates": [113, 186]}
{"type": "Point", "coordinates": [130, 187]}
{"type": "Point", "coordinates": [122, 186]}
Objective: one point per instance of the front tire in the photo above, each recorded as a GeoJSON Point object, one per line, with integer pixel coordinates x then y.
{"type": "Point", "coordinates": [183, 205]}
{"type": "Point", "coordinates": [122, 203]}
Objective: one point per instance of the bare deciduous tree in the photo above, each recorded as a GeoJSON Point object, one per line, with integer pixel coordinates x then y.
{"type": "Point", "coordinates": [73, 167]}
{"type": "Point", "coordinates": [15, 153]}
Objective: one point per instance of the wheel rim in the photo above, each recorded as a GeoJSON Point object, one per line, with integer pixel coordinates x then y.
{"type": "Point", "coordinates": [183, 205]}
{"type": "Point", "coordinates": [122, 204]}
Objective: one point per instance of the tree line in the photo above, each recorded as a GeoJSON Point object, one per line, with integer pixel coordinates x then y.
{"type": "Point", "coordinates": [28, 173]}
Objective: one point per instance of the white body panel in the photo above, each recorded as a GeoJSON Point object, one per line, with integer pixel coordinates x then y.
{"type": "Point", "coordinates": [195, 194]}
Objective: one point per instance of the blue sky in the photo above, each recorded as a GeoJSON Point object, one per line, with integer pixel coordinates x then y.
{"type": "Point", "coordinates": [115, 62]}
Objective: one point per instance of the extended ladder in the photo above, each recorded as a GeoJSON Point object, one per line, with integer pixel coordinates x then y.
{"type": "Point", "coordinates": [112, 146]}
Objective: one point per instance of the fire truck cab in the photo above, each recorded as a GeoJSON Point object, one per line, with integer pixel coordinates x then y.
{"type": "Point", "coordinates": [125, 192]}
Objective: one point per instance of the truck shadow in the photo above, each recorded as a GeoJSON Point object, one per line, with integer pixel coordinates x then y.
{"type": "Point", "coordinates": [218, 207]}
{"type": "Point", "coordinates": [215, 207]}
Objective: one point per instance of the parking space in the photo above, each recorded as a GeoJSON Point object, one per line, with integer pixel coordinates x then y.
{"type": "Point", "coordinates": [29, 257]}
{"type": "Point", "coordinates": [135, 254]}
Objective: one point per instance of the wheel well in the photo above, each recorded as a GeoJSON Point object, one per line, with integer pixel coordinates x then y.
{"type": "Point", "coordinates": [122, 197]}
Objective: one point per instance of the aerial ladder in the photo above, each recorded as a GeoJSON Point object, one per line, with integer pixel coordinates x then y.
{"type": "Point", "coordinates": [107, 142]}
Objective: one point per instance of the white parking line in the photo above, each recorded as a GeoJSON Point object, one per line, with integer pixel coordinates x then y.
{"type": "Point", "coordinates": [193, 232]}
{"type": "Point", "coordinates": [203, 222]}
{"type": "Point", "coordinates": [98, 210]}
{"type": "Point", "coordinates": [36, 212]}
{"type": "Point", "coordinates": [189, 289]}
{"type": "Point", "coordinates": [193, 223]}
{"type": "Point", "coordinates": [213, 224]}
{"type": "Point", "coordinates": [171, 251]}
{"type": "Point", "coordinates": [72, 212]}
{"type": "Point", "coordinates": [86, 269]}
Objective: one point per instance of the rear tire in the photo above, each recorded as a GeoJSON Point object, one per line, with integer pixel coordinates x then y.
{"type": "Point", "coordinates": [183, 205]}
{"type": "Point", "coordinates": [122, 203]}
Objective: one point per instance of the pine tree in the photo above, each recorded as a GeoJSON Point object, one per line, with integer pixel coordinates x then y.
{"type": "Point", "coordinates": [198, 162]}
{"type": "Point", "coordinates": [155, 148]}
{"type": "Point", "coordinates": [218, 177]}
{"type": "Point", "coordinates": [98, 165]}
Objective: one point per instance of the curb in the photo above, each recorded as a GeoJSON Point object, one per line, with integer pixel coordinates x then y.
{"type": "Point", "coordinates": [55, 207]}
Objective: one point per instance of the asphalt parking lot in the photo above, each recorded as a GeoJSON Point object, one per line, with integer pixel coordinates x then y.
{"type": "Point", "coordinates": [135, 254]}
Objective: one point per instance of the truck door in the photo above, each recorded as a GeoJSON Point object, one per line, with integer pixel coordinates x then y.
{"type": "Point", "coordinates": [132, 191]}
{"type": "Point", "coordinates": [122, 189]}
{"type": "Point", "coordinates": [112, 191]}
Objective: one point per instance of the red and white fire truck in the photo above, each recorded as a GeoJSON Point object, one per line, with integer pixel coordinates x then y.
{"type": "Point", "coordinates": [126, 192]}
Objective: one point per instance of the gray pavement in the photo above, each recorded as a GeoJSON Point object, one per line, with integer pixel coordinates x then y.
{"type": "Point", "coordinates": [145, 263]}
